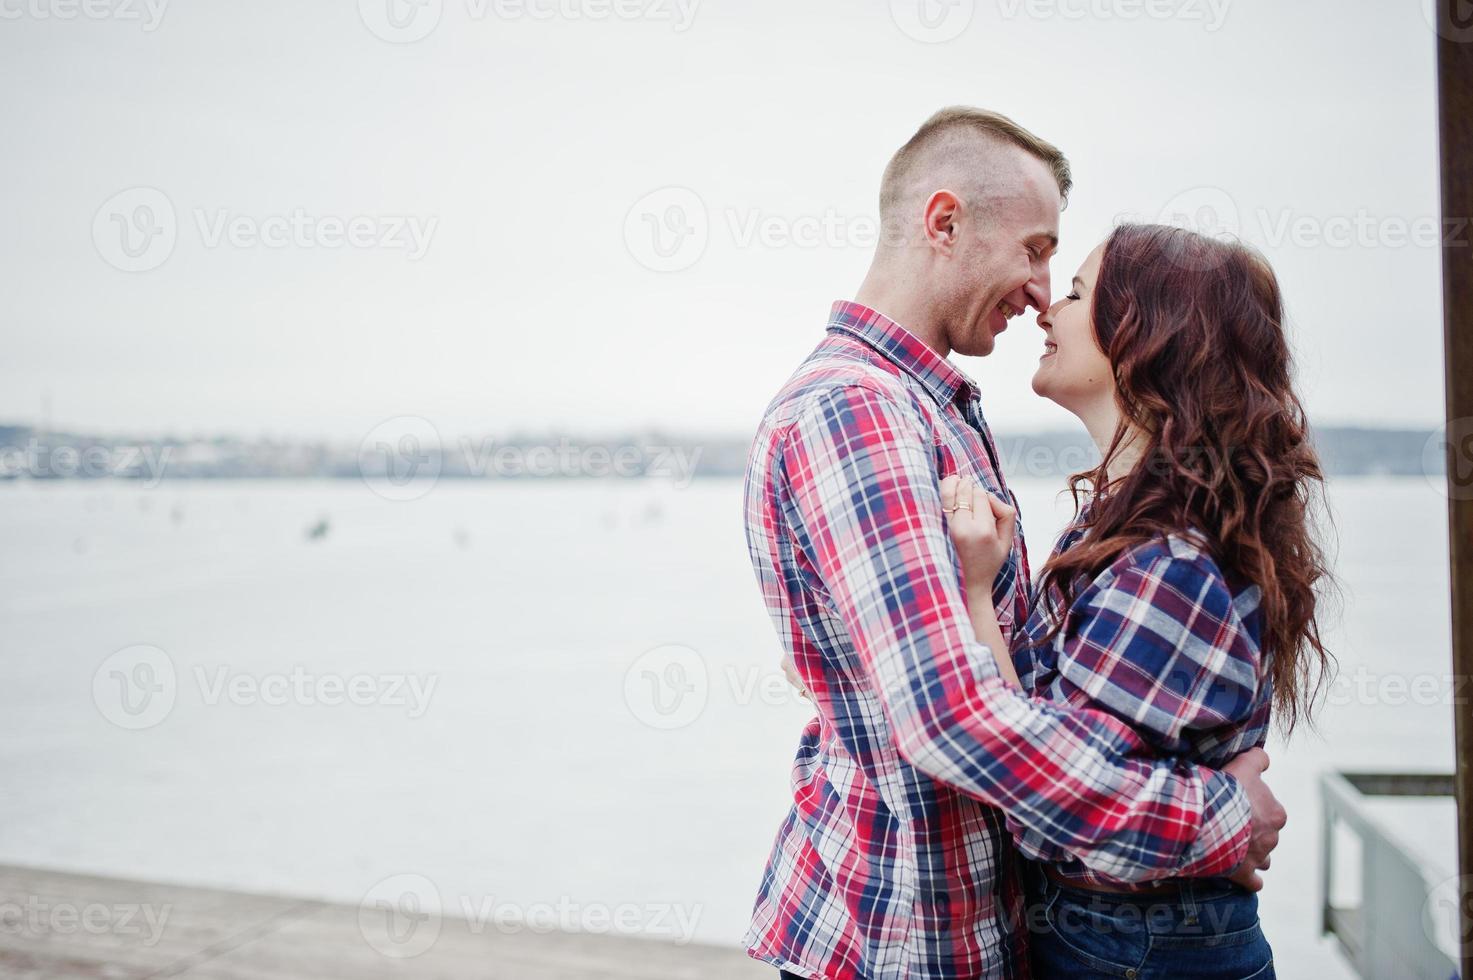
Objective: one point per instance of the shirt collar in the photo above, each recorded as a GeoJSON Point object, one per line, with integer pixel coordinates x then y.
{"type": "Point", "coordinates": [908, 352]}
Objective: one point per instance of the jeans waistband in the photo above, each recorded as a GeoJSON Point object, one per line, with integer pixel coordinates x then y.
{"type": "Point", "coordinates": [1168, 886]}
{"type": "Point", "coordinates": [1186, 894]}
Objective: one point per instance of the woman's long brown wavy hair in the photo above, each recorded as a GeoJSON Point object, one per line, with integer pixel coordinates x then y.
{"type": "Point", "coordinates": [1193, 329]}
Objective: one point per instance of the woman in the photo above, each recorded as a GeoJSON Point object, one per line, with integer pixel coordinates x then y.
{"type": "Point", "coordinates": [1182, 597]}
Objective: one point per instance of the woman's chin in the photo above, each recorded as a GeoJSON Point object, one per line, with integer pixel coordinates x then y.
{"type": "Point", "coordinates": [1040, 383]}
{"type": "Point", "coordinates": [1044, 387]}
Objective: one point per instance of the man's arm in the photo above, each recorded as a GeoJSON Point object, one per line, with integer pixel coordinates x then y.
{"type": "Point", "coordinates": [1157, 641]}
{"type": "Point", "coordinates": [859, 491]}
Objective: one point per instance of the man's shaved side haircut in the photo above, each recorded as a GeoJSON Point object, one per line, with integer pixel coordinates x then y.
{"type": "Point", "coordinates": [956, 129]}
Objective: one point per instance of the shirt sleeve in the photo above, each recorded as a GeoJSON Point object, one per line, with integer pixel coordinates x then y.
{"type": "Point", "coordinates": [1157, 642]}
{"type": "Point", "coordinates": [859, 490]}
{"type": "Point", "coordinates": [1160, 645]}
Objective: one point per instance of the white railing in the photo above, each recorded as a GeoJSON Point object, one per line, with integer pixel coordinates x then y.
{"type": "Point", "coordinates": [1393, 931]}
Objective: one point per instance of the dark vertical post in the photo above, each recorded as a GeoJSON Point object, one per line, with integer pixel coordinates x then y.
{"type": "Point", "coordinates": [1455, 125]}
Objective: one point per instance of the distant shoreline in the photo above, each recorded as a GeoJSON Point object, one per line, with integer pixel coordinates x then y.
{"type": "Point", "coordinates": [408, 451]}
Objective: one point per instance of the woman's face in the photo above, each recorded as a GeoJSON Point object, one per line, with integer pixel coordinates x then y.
{"type": "Point", "coordinates": [1073, 371]}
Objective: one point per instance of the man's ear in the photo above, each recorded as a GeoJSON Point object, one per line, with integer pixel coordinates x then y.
{"type": "Point", "coordinates": [940, 220]}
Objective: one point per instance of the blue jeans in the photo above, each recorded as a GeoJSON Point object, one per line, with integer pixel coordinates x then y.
{"type": "Point", "coordinates": [1209, 930]}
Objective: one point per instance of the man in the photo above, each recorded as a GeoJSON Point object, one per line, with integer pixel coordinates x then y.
{"type": "Point", "coordinates": [893, 860]}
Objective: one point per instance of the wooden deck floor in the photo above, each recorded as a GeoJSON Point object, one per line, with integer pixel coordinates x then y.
{"type": "Point", "coordinates": [58, 925]}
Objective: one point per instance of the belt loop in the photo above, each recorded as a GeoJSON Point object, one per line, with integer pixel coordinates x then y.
{"type": "Point", "coordinates": [1189, 901]}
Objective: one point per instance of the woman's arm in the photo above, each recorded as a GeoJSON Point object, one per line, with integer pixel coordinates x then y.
{"type": "Point", "coordinates": [984, 624]}
{"type": "Point", "coordinates": [1158, 643]}
{"type": "Point", "coordinates": [1158, 640]}
{"type": "Point", "coordinates": [981, 528]}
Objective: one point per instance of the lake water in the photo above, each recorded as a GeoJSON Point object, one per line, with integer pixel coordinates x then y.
{"type": "Point", "coordinates": [453, 688]}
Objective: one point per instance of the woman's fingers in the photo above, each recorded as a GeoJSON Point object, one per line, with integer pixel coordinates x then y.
{"type": "Point", "coordinates": [981, 547]}
{"type": "Point", "coordinates": [1005, 515]}
{"type": "Point", "coordinates": [974, 507]}
{"type": "Point", "coordinates": [948, 493]}
{"type": "Point", "coordinates": [976, 498]}
{"type": "Point", "coordinates": [790, 671]}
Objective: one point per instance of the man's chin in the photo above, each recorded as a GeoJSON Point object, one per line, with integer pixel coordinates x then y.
{"type": "Point", "coordinates": [979, 346]}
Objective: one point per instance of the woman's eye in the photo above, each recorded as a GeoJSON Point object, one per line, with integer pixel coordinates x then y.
{"type": "Point", "coordinates": [1072, 296]}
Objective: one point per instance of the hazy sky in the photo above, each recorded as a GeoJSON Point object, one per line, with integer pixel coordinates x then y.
{"type": "Point", "coordinates": [336, 220]}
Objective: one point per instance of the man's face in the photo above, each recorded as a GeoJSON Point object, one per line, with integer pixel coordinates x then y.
{"type": "Point", "coordinates": [1002, 259]}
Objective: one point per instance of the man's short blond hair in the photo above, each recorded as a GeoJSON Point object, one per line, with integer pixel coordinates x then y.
{"type": "Point", "coordinates": [953, 126]}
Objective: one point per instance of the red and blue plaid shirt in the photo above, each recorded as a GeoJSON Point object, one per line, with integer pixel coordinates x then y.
{"type": "Point", "coordinates": [890, 862]}
{"type": "Point", "coordinates": [1161, 640]}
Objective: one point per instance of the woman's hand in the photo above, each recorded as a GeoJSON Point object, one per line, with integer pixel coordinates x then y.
{"type": "Point", "coordinates": [981, 527]}
{"type": "Point", "coordinates": [790, 671]}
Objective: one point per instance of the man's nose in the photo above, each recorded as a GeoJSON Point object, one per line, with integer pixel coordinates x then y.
{"type": "Point", "coordinates": [1038, 292]}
